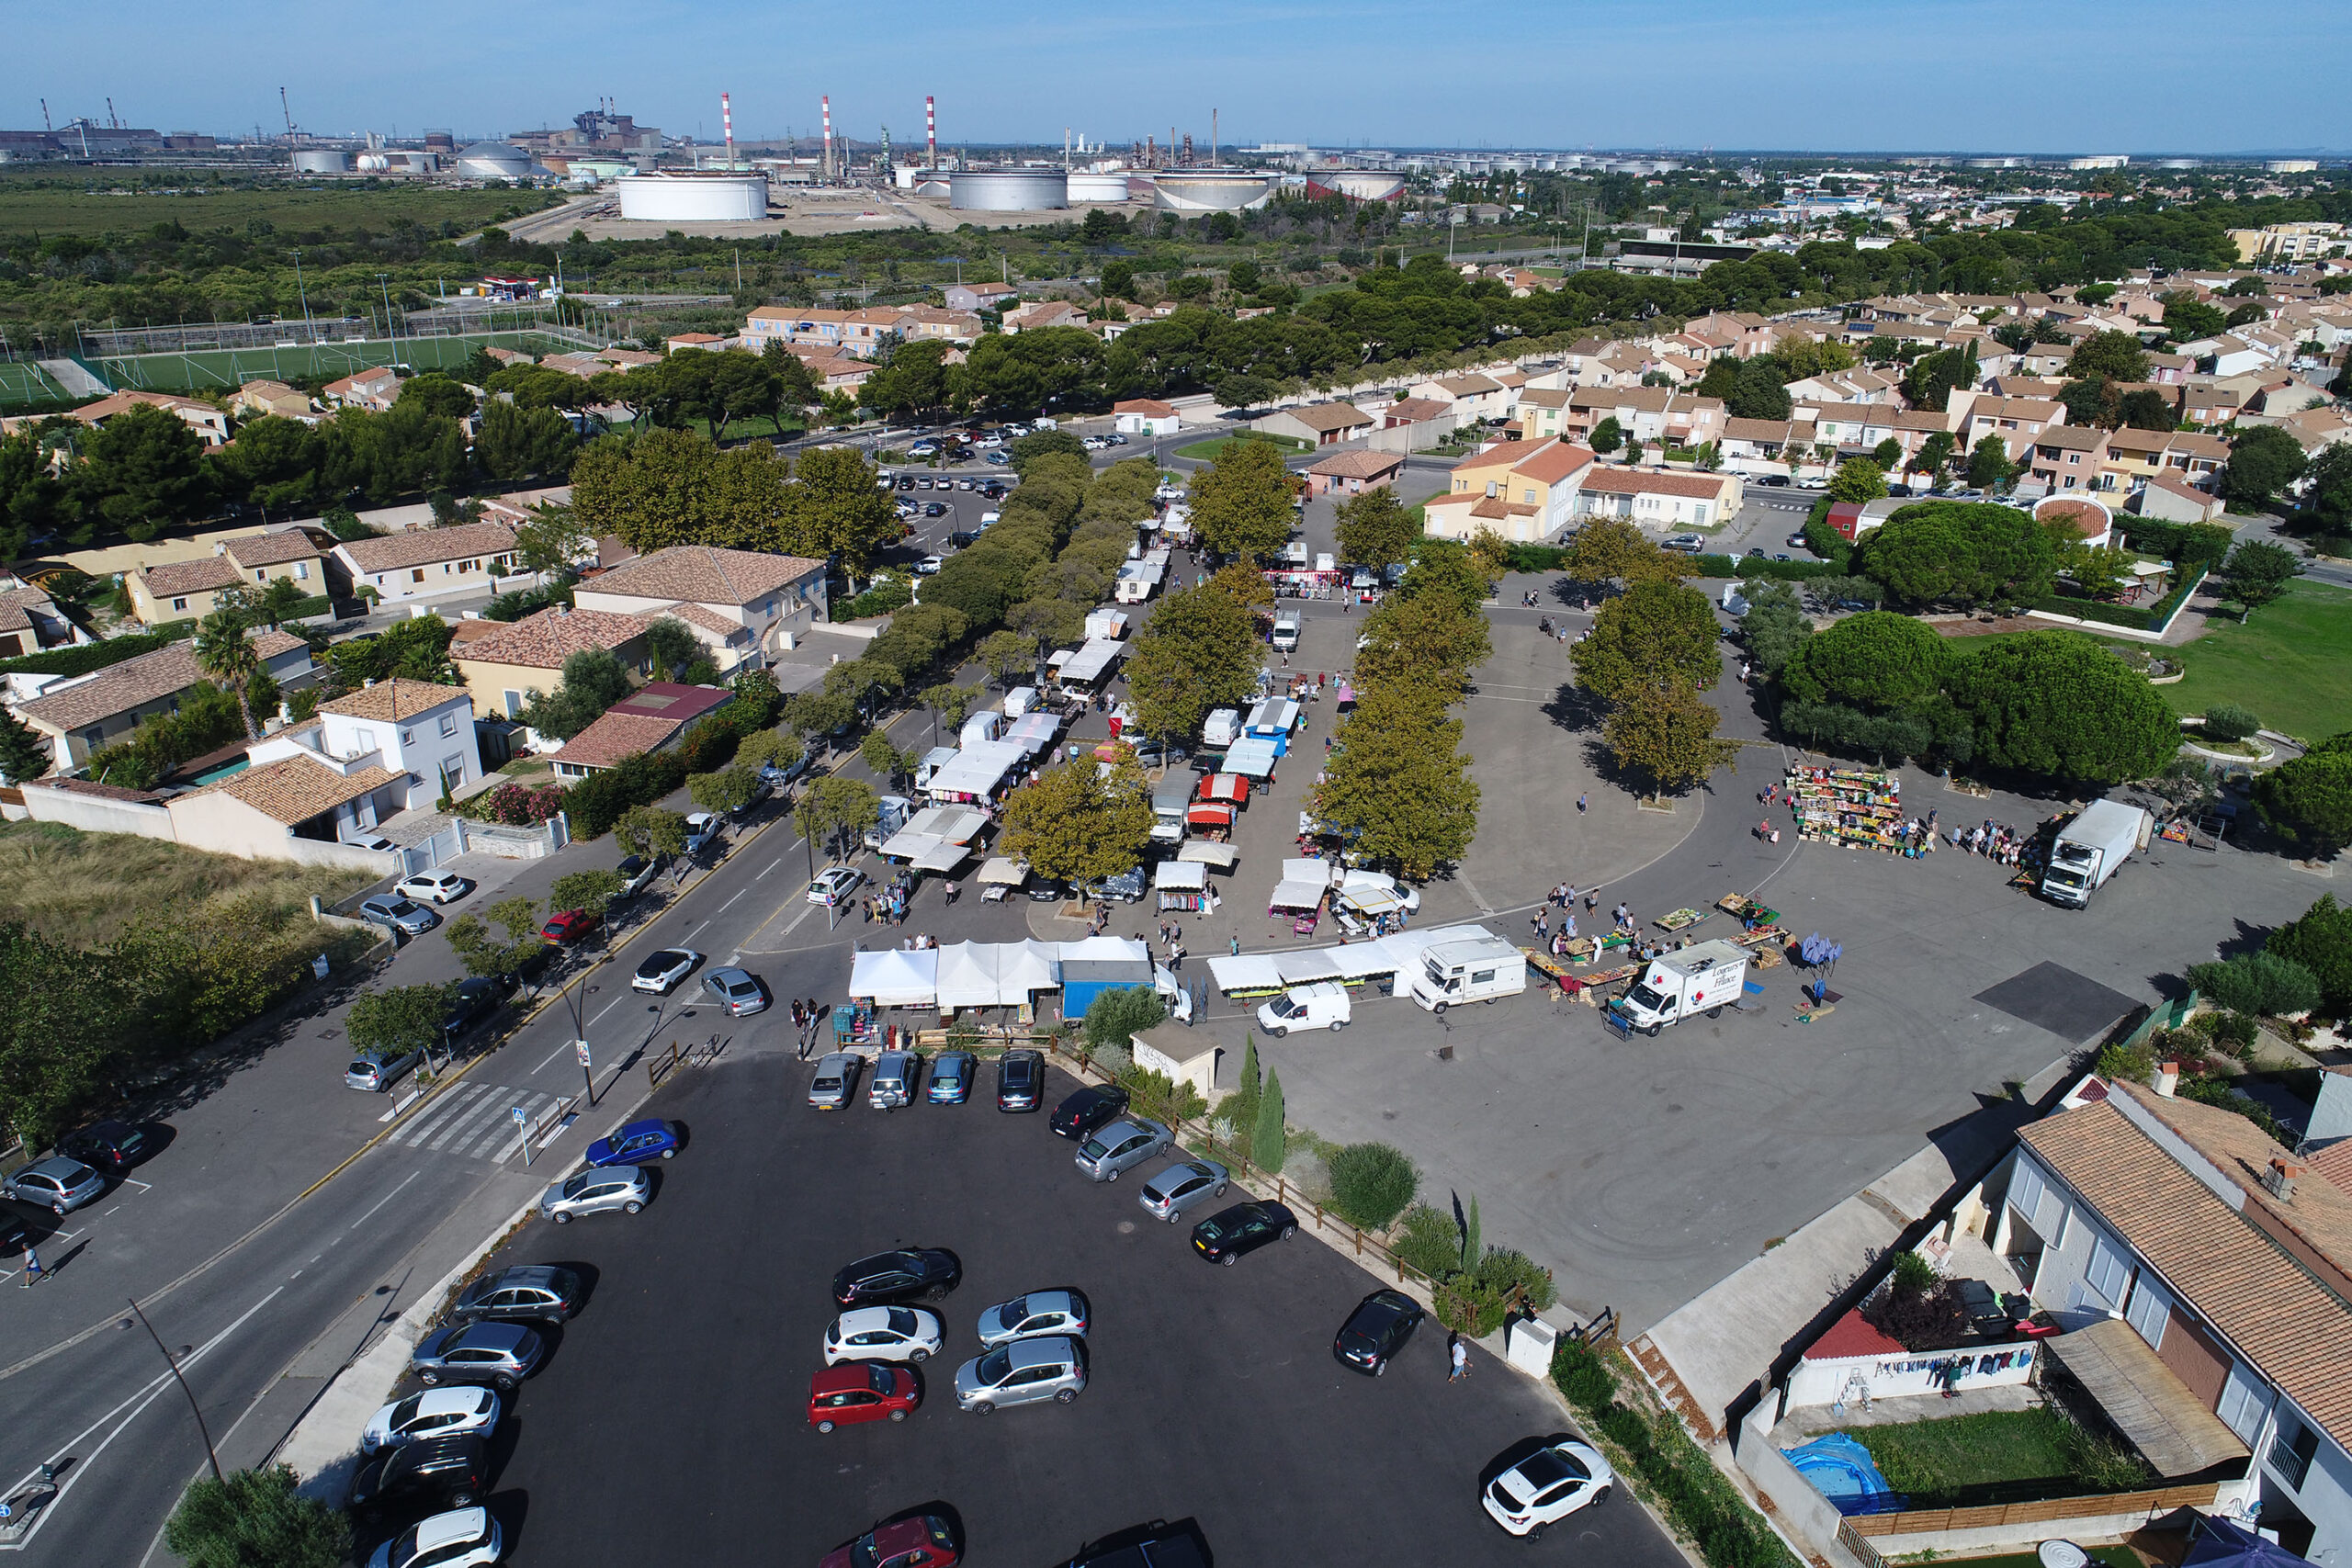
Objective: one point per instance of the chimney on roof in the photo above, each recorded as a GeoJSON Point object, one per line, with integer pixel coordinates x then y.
{"type": "Point", "coordinates": [219, 546]}
{"type": "Point", "coordinates": [2168, 1077]}
{"type": "Point", "coordinates": [2279, 1180]}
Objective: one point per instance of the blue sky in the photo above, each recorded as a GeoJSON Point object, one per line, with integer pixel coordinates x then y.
{"type": "Point", "coordinates": [1995, 75]}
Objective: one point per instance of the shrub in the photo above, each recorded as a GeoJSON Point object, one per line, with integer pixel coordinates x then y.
{"type": "Point", "coordinates": [518, 807]}
{"type": "Point", "coordinates": [2320, 941]}
{"type": "Point", "coordinates": [1912, 1272]}
{"type": "Point", "coordinates": [602, 799]}
{"type": "Point", "coordinates": [1371, 1184]}
{"type": "Point", "coordinates": [1504, 1271]}
{"type": "Point", "coordinates": [1920, 1320]}
{"type": "Point", "coordinates": [1117, 1015]}
{"type": "Point", "coordinates": [1162, 1099]}
{"type": "Point", "coordinates": [2227, 721]}
{"type": "Point", "coordinates": [2260, 982]}
{"type": "Point", "coordinates": [1427, 1239]}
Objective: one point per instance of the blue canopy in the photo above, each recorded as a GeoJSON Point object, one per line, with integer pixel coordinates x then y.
{"type": "Point", "coordinates": [2221, 1544]}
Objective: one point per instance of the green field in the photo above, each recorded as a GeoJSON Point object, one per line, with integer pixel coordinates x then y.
{"type": "Point", "coordinates": [2290, 664]}
{"type": "Point", "coordinates": [232, 367]}
{"type": "Point", "coordinates": [1210, 451]}
{"type": "Point", "coordinates": [36, 205]}
{"type": "Point", "coordinates": [22, 381]}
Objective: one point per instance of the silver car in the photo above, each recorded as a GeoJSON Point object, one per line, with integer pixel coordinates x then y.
{"type": "Point", "coordinates": [1181, 1187]}
{"type": "Point", "coordinates": [1023, 1373]}
{"type": "Point", "coordinates": [1122, 1145]}
{"type": "Point", "coordinates": [376, 1071]}
{"type": "Point", "coordinates": [390, 909]}
{"type": "Point", "coordinates": [736, 990]}
{"type": "Point", "coordinates": [835, 1084]}
{"type": "Point", "coordinates": [1033, 1316]}
{"type": "Point", "coordinates": [627, 1188]}
{"type": "Point", "coordinates": [56, 1184]}
{"type": "Point", "coordinates": [893, 1083]}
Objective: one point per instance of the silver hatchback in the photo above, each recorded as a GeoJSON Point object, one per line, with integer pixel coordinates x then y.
{"type": "Point", "coordinates": [627, 1188]}
{"type": "Point", "coordinates": [1179, 1188]}
{"type": "Point", "coordinates": [836, 1081]}
{"type": "Point", "coordinates": [1122, 1145]}
{"type": "Point", "coordinates": [56, 1184]}
{"type": "Point", "coordinates": [1023, 1373]}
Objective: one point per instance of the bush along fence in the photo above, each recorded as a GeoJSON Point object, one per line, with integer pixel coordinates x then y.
{"type": "Point", "coordinates": [2154, 619]}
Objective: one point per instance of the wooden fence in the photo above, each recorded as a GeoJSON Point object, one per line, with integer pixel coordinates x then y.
{"type": "Point", "coordinates": [2047, 1510]}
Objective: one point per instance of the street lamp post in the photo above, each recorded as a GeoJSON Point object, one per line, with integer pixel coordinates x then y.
{"type": "Point", "coordinates": [174, 1362]}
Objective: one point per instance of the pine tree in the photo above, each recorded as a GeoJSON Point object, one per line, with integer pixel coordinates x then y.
{"type": "Point", "coordinates": [1266, 1150]}
{"type": "Point", "coordinates": [24, 754]}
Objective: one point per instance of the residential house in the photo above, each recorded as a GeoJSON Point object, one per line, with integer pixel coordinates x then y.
{"type": "Point", "coordinates": [82, 714]}
{"type": "Point", "coordinates": [979, 296]}
{"type": "Point", "coordinates": [1744, 333]}
{"type": "Point", "coordinates": [1660, 498]}
{"type": "Point", "coordinates": [502, 669]}
{"type": "Point", "coordinates": [2208, 403]}
{"type": "Point", "coordinates": [2133, 457]}
{"type": "Point", "coordinates": [1045, 313]}
{"type": "Point", "coordinates": [1543, 412]}
{"type": "Point", "coordinates": [627, 358]}
{"type": "Point", "coordinates": [1748, 445]}
{"type": "Point", "coordinates": [1353, 473]}
{"type": "Point", "coordinates": [210, 423]}
{"type": "Point", "coordinates": [30, 621]}
{"type": "Point", "coordinates": [374, 390]}
{"type": "Point", "coordinates": [2064, 456]}
{"type": "Point", "coordinates": [1317, 424]}
{"type": "Point", "coordinates": [1524, 490]}
{"type": "Point", "coordinates": [430, 563]}
{"type": "Point", "coordinates": [420, 732]}
{"type": "Point", "coordinates": [2017, 420]}
{"type": "Point", "coordinates": [581, 364]}
{"type": "Point", "coordinates": [264, 397]}
{"type": "Point", "coordinates": [1467, 398]}
{"type": "Point", "coordinates": [2230, 1261]}
{"type": "Point", "coordinates": [705, 341]}
{"type": "Point", "coordinates": [653, 718]}
{"type": "Point", "coordinates": [1145, 416]}
{"type": "Point", "coordinates": [2172, 498]}
{"type": "Point", "coordinates": [187, 590]}
{"type": "Point", "coordinates": [1406, 412]}
{"type": "Point", "coordinates": [929, 324]}
{"type": "Point", "coordinates": [269, 810]}
{"type": "Point", "coordinates": [2319, 428]}
{"type": "Point", "coordinates": [1651, 415]}
{"type": "Point", "coordinates": [743, 606]}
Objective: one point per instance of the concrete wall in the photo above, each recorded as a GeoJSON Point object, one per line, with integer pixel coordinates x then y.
{"type": "Point", "coordinates": [225, 825]}
{"type": "Point", "coordinates": [96, 813]}
{"type": "Point", "coordinates": [1795, 1509]}
{"type": "Point", "coordinates": [1411, 439]}
{"type": "Point", "coordinates": [1898, 1375]}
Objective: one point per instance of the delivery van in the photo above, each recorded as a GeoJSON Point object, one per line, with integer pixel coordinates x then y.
{"type": "Point", "coordinates": [1705, 978]}
{"type": "Point", "coordinates": [1476, 970]}
{"type": "Point", "coordinates": [1323, 1005]}
{"type": "Point", "coordinates": [1286, 631]}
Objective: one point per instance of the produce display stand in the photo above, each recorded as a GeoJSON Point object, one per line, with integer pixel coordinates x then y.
{"type": "Point", "coordinates": [1680, 919]}
{"type": "Point", "coordinates": [1764, 944]}
{"type": "Point", "coordinates": [1747, 910]}
{"type": "Point", "coordinates": [1853, 806]}
{"type": "Point", "coordinates": [1554, 970]}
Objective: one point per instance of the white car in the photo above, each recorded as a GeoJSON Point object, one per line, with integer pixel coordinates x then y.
{"type": "Point", "coordinates": [1033, 1316]}
{"type": "Point", "coordinates": [929, 564]}
{"type": "Point", "coordinates": [435, 887]}
{"type": "Point", "coordinates": [465, 1537]}
{"type": "Point", "coordinates": [435, 1412]}
{"type": "Point", "coordinates": [834, 884]}
{"type": "Point", "coordinates": [660, 972]}
{"type": "Point", "coordinates": [1548, 1486]}
{"type": "Point", "coordinates": [702, 826]}
{"type": "Point", "coordinates": [883, 1334]}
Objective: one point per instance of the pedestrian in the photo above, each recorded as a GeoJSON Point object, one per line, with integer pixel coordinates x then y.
{"type": "Point", "coordinates": [1580, 805]}
{"type": "Point", "coordinates": [34, 1274]}
{"type": "Point", "coordinates": [1457, 1355]}
{"type": "Point", "coordinates": [1591, 902]}
{"type": "Point", "coordinates": [1568, 925]}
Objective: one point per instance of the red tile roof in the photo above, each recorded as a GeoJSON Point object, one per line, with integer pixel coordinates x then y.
{"type": "Point", "coordinates": [1849, 1335]}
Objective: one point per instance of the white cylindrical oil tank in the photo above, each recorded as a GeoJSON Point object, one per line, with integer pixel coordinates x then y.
{"type": "Point", "coordinates": [1097, 188]}
{"type": "Point", "coordinates": [1008, 190]}
{"type": "Point", "coordinates": [1357, 184]}
{"type": "Point", "coordinates": [322, 161]}
{"type": "Point", "coordinates": [494, 161]}
{"type": "Point", "coordinates": [1210, 190]}
{"type": "Point", "coordinates": [694, 198]}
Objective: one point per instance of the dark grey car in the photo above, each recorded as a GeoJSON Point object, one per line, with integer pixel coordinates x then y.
{"type": "Point", "coordinates": [1122, 1145]}
{"type": "Point", "coordinates": [530, 1292]}
{"type": "Point", "coordinates": [1180, 1189]}
{"type": "Point", "coordinates": [499, 1354]}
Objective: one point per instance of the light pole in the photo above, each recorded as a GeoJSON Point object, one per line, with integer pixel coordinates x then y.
{"type": "Point", "coordinates": [174, 1362]}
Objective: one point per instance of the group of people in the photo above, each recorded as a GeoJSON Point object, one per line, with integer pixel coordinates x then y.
{"type": "Point", "coordinates": [888, 902]}
{"type": "Point", "coordinates": [806, 1018]}
{"type": "Point", "coordinates": [1997, 842]}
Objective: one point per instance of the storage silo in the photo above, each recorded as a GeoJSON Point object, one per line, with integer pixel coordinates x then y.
{"type": "Point", "coordinates": [1008, 190]}
{"type": "Point", "coordinates": [322, 161]}
{"type": "Point", "coordinates": [694, 198]}
{"type": "Point", "coordinates": [1092, 188]}
{"type": "Point", "coordinates": [494, 161]}
{"type": "Point", "coordinates": [1210, 190]}
{"type": "Point", "coordinates": [1357, 184]}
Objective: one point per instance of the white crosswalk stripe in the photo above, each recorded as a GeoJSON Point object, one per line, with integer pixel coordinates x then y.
{"type": "Point", "coordinates": [473, 1121]}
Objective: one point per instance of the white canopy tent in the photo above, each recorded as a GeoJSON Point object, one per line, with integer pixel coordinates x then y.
{"type": "Point", "coordinates": [1303, 885]}
{"type": "Point", "coordinates": [1203, 853]}
{"type": "Point", "coordinates": [1276, 715]}
{"type": "Point", "coordinates": [1092, 661]}
{"type": "Point", "coordinates": [1181, 875]}
{"type": "Point", "coordinates": [1258, 974]}
{"type": "Point", "coordinates": [1251, 756]}
{"type": "Point", "coordinates": [896, 978]}
{"type": "Point", "coordinates": [942, 857]}
{"type": "Point", "coordinates": [976, 770]}
{"type": "Point", "coordinates": [967, 976]}
{"type": "Point", "coordinates": [1001, 871]}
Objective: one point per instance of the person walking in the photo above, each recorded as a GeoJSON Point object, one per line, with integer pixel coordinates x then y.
{"type": "Point", "coordinates": [1457, 1355]}
{"type": "Point", "coordinates": [1580, 805]}
{"type": "Point", "coordinates": [1233, 944]}
{"type": "Point", "coordinates": [34, 1274]}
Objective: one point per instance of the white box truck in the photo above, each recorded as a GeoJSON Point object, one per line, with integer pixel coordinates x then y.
{"type": "Point", "coordinates": [1323, 1005]}
{"type": "Point", "coordinates": [1476, 970]}
{"type": "Point", "coordinates": [2092, 848]}
{"type": "Point", "coordinates": [1705, 978]}
{"type": "Point", "coordinates": [1221, 728]}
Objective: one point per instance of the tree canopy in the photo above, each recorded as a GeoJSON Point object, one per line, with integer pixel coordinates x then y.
{"type": "Point", "coordinates": [1655, 634]}
{"type": "Point", "coordinates": [1079, 823]}
{"type": "Point", "coordinates": [1241, 503]}
{"type": "Point", "coordinates": [1198, 651]}
{"type": "Point", "coordinates": [2056, 703]}
{"type": "Point", "coordinates": [1950, 552]}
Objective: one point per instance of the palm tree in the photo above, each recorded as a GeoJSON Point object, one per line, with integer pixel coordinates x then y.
{"type": "Point", "coordinates": [224, 651]}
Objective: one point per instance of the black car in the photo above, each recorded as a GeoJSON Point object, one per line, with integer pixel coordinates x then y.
{"type": "Point", "coordinates": [108, 1148]}
{"type": "Point", "coordinates": [12, 1232]}
{"type": "Point", "coordinates": [961, 538]}
{"type": "Point", "coordinates": [1155, 1545]}
{"type": "Point", "coordinates": [1244, 1228]}
{"type": "Point", "coordinates": [934, 509]}
{"type": "Point", "coordinates": [499, 1354]}
{"type": "Point", "coordinates": [1020, 1080]}
{"type": "Point", "coordinates": [1776, 481]}
{"type": "Point", "coordinates": [432, 1473]}
{"type": "Point", "coordinates": [910, 1273]}
{"type": "Point", "coordinates": [1380, 1327]}
{"type": "Point", "coordinates": [530, 1293]}
{"type": "Point", "coordinates": [475, 1000]}
{"type": "Point", "coordinates": [1088, 1108]}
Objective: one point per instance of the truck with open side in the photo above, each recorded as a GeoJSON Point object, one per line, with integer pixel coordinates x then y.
{"type": "Point", "coordinates": [2093, 847]}
{"type": "Point", "coordinates": [1675, 985]}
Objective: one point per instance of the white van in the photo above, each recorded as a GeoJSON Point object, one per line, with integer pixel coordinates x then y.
{"type": "Point", "coordinates": [1221, 728]}
{"type": "Point", "coordinates": [1323, 1005]}
{"type": "Point", "coordinates": [933, 761]}
{"type": "Point", "coordinates": [1285, 630]}
{"type": "Point", "coordinates": [1478, 970]}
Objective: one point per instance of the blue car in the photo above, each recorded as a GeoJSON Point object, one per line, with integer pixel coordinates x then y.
{"type": "Point", "coordinates": [951, 1077]}
{"type": "Point", "coordinates": [636, 1143]}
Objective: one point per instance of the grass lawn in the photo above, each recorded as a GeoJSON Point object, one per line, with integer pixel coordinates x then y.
{"type": "Point", "coordinates": [1210, 451]}
{"type": "Point", "coordinates": [2107, 1556]}
{"type": "Point", "coordinates": [220, 370]}
{"type": "Point", "coordinates": [1938, 1463]}
{"type": "Point", "coordinates": [2291, 664]}
{"type": "Point", "coordinates": [84, 888]}
{"type": "Point", "coordinates": [33, 205]}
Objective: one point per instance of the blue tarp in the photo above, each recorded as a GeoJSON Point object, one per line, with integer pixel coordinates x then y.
{"type": "Point", "coordinates": [2221, 1543]}
{"type": "Point", "coordinates": [1841, 1470]}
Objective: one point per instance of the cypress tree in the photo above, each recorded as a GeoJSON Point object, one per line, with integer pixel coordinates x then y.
{"type": "Point", "coordinates": [1266, 1149]}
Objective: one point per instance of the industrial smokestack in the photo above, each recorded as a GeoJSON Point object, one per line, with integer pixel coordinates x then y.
{"type": "Point", "coordinates": [930, 130]}
{"type": "Point", "coordinates": [1211, 139]}
{"type": "Point", "coordinates": [727, 125]}
{"type": "Point", "coordinates": [828, 102]}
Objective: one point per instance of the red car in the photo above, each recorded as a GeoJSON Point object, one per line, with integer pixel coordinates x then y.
{"type": "Point", "coordinates": [569, 929]}
{"type": "Point", "coordinates": [919, 1543]}
{"type": "Point", "coordinates": [861, 1391]}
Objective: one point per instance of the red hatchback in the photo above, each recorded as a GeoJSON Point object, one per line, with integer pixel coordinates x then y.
{"type": "Point", "coordinates": [861, 1391]}
{"type": "Point", "coordinates": [920, 1542]}
{"type": "Point", "coordinates": [570, 928]}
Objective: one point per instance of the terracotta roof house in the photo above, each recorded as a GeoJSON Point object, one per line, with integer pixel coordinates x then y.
{"type": "Point", "coordinates": [503, 670]}
{"type": "Point", "coordinates": [91, 711]}
{"type": "Point", "coordinates": [203, 418]}
{"type": "Point", "coordinates": [30, 621]}
{"type": "Point", "coordinates": [427, 563]}
{"type": "Point", "coordinates": [1145, 416]}
{"type": "Point", "coordinates": [1524, 490]}
{"type": "Point", "coordinates": [1317, 424]}
{"type": "Point", "coordinates": [651, 718]}
{"type": "Point", "coordinates": [374, 390]}
{"type": "Point", "coordinates": [277, 809]}
{"type": "Point", "coordinates": [1353, 473]}
{"type": "Point", "coordinates": [744, 605]}
{"type": "Point", "coordinates": [1660, 498]}
{"type": "Point", "coordinates": [420, 732]}
{"type": "Point", "coordinates": [183, 591]}
{"type": "Point", "coordinates": [267, 396]}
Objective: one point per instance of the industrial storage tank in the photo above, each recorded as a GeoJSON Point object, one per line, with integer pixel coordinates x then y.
{"type": "Point", "coordinates": [1008, 190]}
{"type": "Point", "coordinates": [494, 161]}
{"type": "Point", "coordinates": [1211, 190]}
{"type": "Point", "coordinates": [1097, 187]}
{"type": "Point", "coordinates": [694, 198]}
{"type": "Point", "coordinates": [1357, 184]}
{"type": "Point", "coordinates": [322, 161]}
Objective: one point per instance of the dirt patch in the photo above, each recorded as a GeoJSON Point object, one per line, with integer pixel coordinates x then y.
{"type": "Point", "coordinates": [1989, 628]}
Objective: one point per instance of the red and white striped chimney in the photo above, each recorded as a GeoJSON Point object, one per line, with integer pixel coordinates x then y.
{"type": "Point", "coordinates": [931, 129]}
{"type": "Point", "coordinates": [727, 124]}
{"type": "Point", "coordinates": [829, 135]}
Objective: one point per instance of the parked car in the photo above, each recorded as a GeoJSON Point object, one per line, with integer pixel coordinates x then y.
{"type": "Point", "coordinates": [884, 1333]}
{"type": "Point", "coordinates": [570, 928]}
{"type": "Point", "coordinates": [1087, 1108]}
{"type": "Point", "coordinates": [836, 1081]}
{"type": "Point", "coordinates": [435, 887]}
{"type": "Point", "coordinates": [1020, 1080]}
{"type": "Point", "coordinates": [962, 538]}
{"type": "Point", "coordinates": [397, 914]}
{"type": "Point", "coordinates": [1774, 481]}
{"type": "Point", "coordinates": [464, 1537]}
{"type": "Point", "coordinates": [1121, 1146]}
{"type": "Point", "coordinates": [499, 1354]}
{"type": "Point", "coordinates": [1232, 1234]}
{"type": "Point", "coordinates": [833, 885]}
{"type": "Point", "coordinates": [529, 1293]}
{"type": "Point", "coordinates": [1024, 1372]}
{"type": "Point", "coordinates": [903, 1275]}
{"type": "Point", "coordinates": [861, 1391]}
{"type": "Point", "coordinates": [377, 1071]}
{"type": "Point", "coordinates": [929, 566]}
{"type": "Point", "coordinates": [635, 1143]}
{"type": "Point", "coordinates": [925, 1542]}
{"type": "Point", "coordinates": [702, 826]}
{"type": "Point", "coordinates": [1181, 1188]}
{"type": "Point", "coordinates": [637, 874]}
{"type": "Point", "coordinates": [58, 1184]}
{"type": "Point", "coordinates": [435, 1412]}
{"type": "Point", "coordinates": [893, 1083]}
{"type": "Point", "coordinates": [108, 1148]}
{"type": "Point", "coordinates": [440, 1472]}
{"type": "Point", "coordinates": [1128, 886]}
{"type": "Point", "coordinates": [950, 1079]}
{"type": "Point", "coordinates": [1381, 1325]}
{"type": "Point", "coordinates": [1033, 1316]}
{"type": "Point", "coordinates": [627, 1189]}
{"type": "Point", "coordinates": [1548, 1486]}
{"type": "Point", "coordinates": [739, 991]}
{"type": "Point", "coordinates": [659, 972]}
{"type": "Point", "coordinates": [1796, 541]}
{"type": "Point", "coordinates": [1155, 1545]}
{"type": "Point", "coordinates": [475, 999]}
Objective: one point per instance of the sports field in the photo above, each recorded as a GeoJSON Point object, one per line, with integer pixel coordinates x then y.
{"type": "Point", "coordinates": [233, 368]}
{"type": "Point", "coordinates": [34, 204]}
{"type": "Point", "coordinates": [22, 381]}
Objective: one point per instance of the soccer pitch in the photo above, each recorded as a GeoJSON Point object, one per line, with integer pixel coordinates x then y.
{"type": "Point", "coordinates": [232, 367]}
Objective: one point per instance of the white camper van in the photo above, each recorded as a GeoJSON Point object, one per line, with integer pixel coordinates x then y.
{"type": "Point", "coordinates": [1478, 970]}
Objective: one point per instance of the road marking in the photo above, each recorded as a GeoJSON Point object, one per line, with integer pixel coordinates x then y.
{"type": "Point", "coordinates": [382, 1201]}
{"type": "Point", "coordinates": [732, 902]}
{"type": "Point", "coordinates": [806, 911]}
{"type": "Point", "coordinates": [438, 1112]}
{"type": "Point", "coordinates": [142, 1186]}
{"type": "Point", "coordinates": [772, 865]}
{"type": "Point", "coordinates": [466, 1124]}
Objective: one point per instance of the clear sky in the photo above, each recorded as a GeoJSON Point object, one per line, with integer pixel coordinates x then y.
{"type": "Point", "coordinates": [1993, 75]}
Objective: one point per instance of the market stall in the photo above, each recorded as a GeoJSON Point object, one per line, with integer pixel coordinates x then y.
{"type": "Point", "coordinates": [1300, 892]}
{"type": "Point", "coordinates": [1206, 852]}
{"type": "Point", "coordinates": [1183, 885]}
{"type": "Point", "coordinates": [999, 878]}
{"type": "Point", "coordinates": [1210, 819]}
{"type": "Point", "coordinates": [896, 978]}
{"type": "Point", "coordinates": [1253, 756]}
{"type": "Point", "coordinates": [1230, 788]}
{"type": "Point", "coordinates": [1853, 806]}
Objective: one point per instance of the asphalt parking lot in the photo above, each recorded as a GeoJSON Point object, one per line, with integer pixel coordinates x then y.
{"type": "Point", "coordinates": [670, 1423]}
